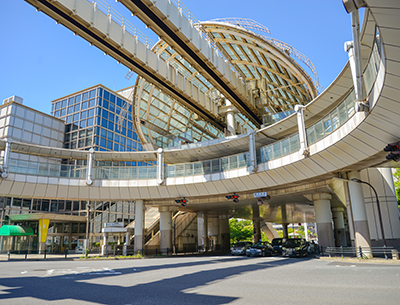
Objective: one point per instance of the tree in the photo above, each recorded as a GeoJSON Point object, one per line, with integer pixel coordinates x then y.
{"type": "Point", "coordinates": [241, 230]}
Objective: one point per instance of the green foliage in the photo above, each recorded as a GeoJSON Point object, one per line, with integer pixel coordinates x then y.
{"type": "Point", "coordinates": [241, 230]}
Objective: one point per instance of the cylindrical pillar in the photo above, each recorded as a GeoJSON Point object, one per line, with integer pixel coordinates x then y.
{"type": "Point", "coordinates": [200, 231]}
{"type": "Point", "coordinates": [205, 241]}
{"type": "Point", "coordinates": [230, 120]}
{"type": "Point", "coordinates": [285, 230]}
{"type": "Point", "coordinates": [256, 223]}
{"type": "Point", "coordinates": [139, 226]}
{"type": "Point", "coordinates": [224, 232]}
{"type": "Point", "coordinates": [213, 233]}
{"type": "Point", "coordinates": [165, 230]}
{"type": "Point", "coordinates": [322, 206]}
{"type": "Point", "coordinates": [358, 211]}
{"type": "Point", "coordinates": [104, 245]}
{"type": "Point", "coordinates": [339, 230]}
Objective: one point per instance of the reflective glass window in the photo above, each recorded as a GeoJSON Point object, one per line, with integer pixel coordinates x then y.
{"type": "Point", "coordinates": [99, 91]}
{"type": "Point", "coordinates": [57, 113]}
{"type": "Point", "coordinates": [82, 124]}
{"type": "Point", "coordinates": [78, 98]}
{"type": "Point", "coordinates": [63, 112]}
{"type": "Point", "coordinates": [116, 138]}
{"type": "Point", "coordinates": [84, 105]}
{"type": "Point", "coordinates": [70, 109]}
{"type": "Point", "coordinates": [83, 114]}
{"type": "Point", "coordinates": [104, 114]}
{"type": "Point", "coordinates": [103, 132]}
{"type": "Point", "coordinates": [91, 112]}
{"type": "Point", "coordinates": [77, 107]}
{"type": "Point", "coordinates": [112, 98]}
{"type": "Point", "coordinates": [109, 145]}
{"type": "Point", "coordinates": [110, 135]}
{"type": "Point", "coordinates": [111, 107]}
{"type": "Point", "coordinates": [90, 122]}
{"type": "Point", "coordinates": [106, 95]}
{"type": "Point", "coordinates": [92, 93]}
{"type": "Point", "coordinates": [85, 96]}
{"type": "Point", "coordinates": [104, 123]}
{"type": "Point", "coordinates": [110, 125]}
{"type": "Point", "coordinates": [76, 117]}
{"type": "Point", "coordinates": [103, 142]}
{"type": "Point", "coordinates": [119, 102]}
{"type": "Point", "coordinates": [116, 147]}
{"type": "Point", "coordinates": [63, 103]}
{"type": "Point", "coordinates": [71, 101]}
{"type": "Point", "coordinates": [92, 102]}
{"type": "Point", "coordinates": [58, 105]}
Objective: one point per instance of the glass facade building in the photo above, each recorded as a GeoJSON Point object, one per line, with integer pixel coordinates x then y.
{"type": "Point", "coordinates": [98, 118]}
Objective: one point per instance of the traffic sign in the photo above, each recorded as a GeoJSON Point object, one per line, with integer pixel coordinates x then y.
{"type": "Point", "coordinates": [260, 195]}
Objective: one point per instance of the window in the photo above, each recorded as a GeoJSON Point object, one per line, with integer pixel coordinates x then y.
{"type": "Point", "coordinates": [64, 103]}
{"type": "Point", "coordinates": [85, 96]}
{"type": "Point", "coordinates": [92, 102]}
{"type": "Point", "coordinates": [77, 107]}
{"type": "Point", "coordinates": [58, 105]}
{"type": "Point", "coordinates": [70, 109]}
{"type": "Point", "coordinates": [84, 105]}
{"type": "Point", "coordinates": [93, 93]}
{"type": "Point", "coordinates": [83, 114]}
{"type": "Point", "coordinates": [90, 112]}
{"type": "Point", "coordinates": [90, 122]}
{"type": "Point", "coordinates": [71, 101]}
{"type": "Point", "coordinates": [76, 117]}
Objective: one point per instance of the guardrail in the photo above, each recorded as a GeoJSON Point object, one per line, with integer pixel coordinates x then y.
{"type": "Point", "coordinates": [361, 252]}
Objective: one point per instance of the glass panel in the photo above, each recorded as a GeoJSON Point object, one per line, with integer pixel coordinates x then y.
{"type": "Point", "coordinates": [225, 164]}
{"type": "Point", "coordinates": [285, 147]}
{"type": "Point", "coordinates": [342, 113]}
{"type": "Point", "coordinates": [216, 166]}
{"type": "Point", "coordinates": [311, 138]}
{"type": "Point", "coordinates": [242, 160]}
{"type": "Point", "coordinates": [189, 169]}
{"type": "Point", "coordinates": [327, 125]}
{"type": "Point", "coordinates": [294, 143]}
{"type": "Point", "coordinates": [180, 170]}
{"type": "Point", "coordinates": [206, 167]}
{"type": "Point", "coordinates": [198, 168]}
{"type": "Point", "coordinates": [233, 162]}
{"type": "Point", "coordinates": [319, 131]}
{"type": "Point", "coordinates": [277, 150]}
{"type": "Point", "coordinates": [267, 153]}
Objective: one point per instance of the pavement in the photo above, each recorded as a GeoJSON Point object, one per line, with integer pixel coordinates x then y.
{"type": "Point", "coordinates": [97, 256]}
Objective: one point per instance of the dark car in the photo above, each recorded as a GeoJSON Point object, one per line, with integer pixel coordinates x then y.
{"type": "Point", "coordinates": [261, 248]}
{"type": "Point", "coordinates": [276, 244]}
{"type": "Point", "coordinates": [240, 247]}
{"type": "Point", "coordinates": [294, 247]}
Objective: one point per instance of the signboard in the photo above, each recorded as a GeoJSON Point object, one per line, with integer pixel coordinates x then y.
{"type": "Point", "coordinates": [114, 224]}
{"type": "Point", "coordinates": [260, 195]}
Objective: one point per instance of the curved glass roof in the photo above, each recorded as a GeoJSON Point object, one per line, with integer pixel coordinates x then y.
{"type": "Point", "coordinates": [276, 80]}
{"type": "Point", "coordinates": [283, 83]}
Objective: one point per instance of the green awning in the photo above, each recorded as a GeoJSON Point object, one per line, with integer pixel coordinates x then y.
{"type": "Point", "coordinates": [9, 230]}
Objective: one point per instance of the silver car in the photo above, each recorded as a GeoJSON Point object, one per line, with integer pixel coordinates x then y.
{"type": "Point", "coordinates": [240, 247]}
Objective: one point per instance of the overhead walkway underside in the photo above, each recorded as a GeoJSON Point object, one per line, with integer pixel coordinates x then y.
{"type": "Point", "coordinates": [88, 21]}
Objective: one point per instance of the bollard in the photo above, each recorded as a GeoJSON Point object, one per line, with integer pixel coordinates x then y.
{"type": "Point", "coordinates": [395, 254]}
{"type": "Point", "coordinates": [360, 252]}
{"type": "Point", "coordinates": [384, 251]}
{"type": "Point", "coordinates": [341, 250]}
{"type": "Point", "coordinates": [9, 254]}
{"type": "Point", "coordinates": [45, 250]}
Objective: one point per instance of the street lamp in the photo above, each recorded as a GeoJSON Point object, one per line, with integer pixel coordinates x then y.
{"type": "Point", "coordinates": [175, 230]}
{"type": "Point", "coordinates": [377, 204]}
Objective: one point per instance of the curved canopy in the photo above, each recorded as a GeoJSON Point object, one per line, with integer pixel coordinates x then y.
{"type": "Point", "coordinates": [10, 230]}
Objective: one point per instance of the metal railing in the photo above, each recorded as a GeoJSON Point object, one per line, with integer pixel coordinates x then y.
{"type": "Point", "coordinates": [361, 252]}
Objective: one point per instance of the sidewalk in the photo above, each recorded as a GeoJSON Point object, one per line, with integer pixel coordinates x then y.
{"type": "Point", "coordinates": [364, 261]}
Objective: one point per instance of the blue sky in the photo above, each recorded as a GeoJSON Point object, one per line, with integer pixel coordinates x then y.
{"type": "Point", "coordinates": [42, 61]}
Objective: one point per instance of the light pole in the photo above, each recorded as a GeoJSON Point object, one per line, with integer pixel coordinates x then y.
{"type": "Point", "coordinates": [377, 204]}
{"type": "Point", "coordinates": [175, 230]}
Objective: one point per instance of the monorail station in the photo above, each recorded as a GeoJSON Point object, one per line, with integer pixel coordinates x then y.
{"type": "Point", "coordinates": [223, 121]}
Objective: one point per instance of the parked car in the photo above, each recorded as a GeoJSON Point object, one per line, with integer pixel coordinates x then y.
{"type": "Point", "coordinates": [312, 247]}
{"type": "Point", "coordinates": [261, 248]}
{"type": "Point", "coordinates": [276, 244]}
{"type": "Point", "coordinates": [240, 247]}
{"type": "Point", "coordinates": [295, 247]}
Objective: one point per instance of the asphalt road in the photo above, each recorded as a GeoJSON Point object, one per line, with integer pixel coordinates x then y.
{"type": "Point", "coordinates": [199, 280]}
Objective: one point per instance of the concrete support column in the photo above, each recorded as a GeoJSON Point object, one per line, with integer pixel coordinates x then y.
{"type": "Point", "coordinates": [127, 238]}
{"type": "Point", "coordinates": [305, 225]}
{"type": "Point", "coordinates": [200, 230]}
{"type": "Point", "coordinates": [139, 226]}
{"type": "Point", "coordinates": [213, 233]}
{"type": "Point", "coordinates": [230, 119]}
{"type": "Point", "coordinates": [104, 246]}
{"type": "Point", "coordinates": [165, 230]}
{"type": "Point", "coordinates": [322, 206]}
{"type": "Point", "coordinates": [285, 230]}
{"type": "Point", "coordinates": [339, 230]}
{"type": "Point", "coordinates": [224, 233]}
{"type": "Point", "coordinates": [358, 211]}
{"type": "Point", "coordinates": [205, 239]}
{"type": "Point", "coordinates": [256, 223]}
